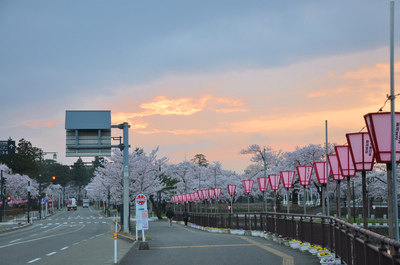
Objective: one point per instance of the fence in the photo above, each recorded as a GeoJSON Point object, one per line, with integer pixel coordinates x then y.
{"type": "Point", "coordinates": [353, 244]}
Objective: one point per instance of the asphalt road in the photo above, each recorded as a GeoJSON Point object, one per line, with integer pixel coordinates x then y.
{"type": "Point", "coordinates": [185, 245]}
{"type": "Point", "coordinates": [68, 237]}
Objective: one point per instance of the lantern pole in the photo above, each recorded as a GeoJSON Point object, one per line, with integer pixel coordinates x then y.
{"type": "Point", "coordinates": [365, 200]}
{"type": "Point", "coordinates": [327, 169]}
{"type": "Point", "coordinates": [305, 199]}
{"type": "Point", "coordinates": [265, 176]}
{"type": "Point", "coordinates": [339, 208]}
{"type": "Point", "coordinates": [287, 199]}
{"type": "Point", "coordinates": [392, 115]}
{"type": "Point", "coordinates": [348, 200]}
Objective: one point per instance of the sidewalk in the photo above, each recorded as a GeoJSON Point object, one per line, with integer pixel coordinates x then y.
{"type": "Point", "coordinates": [186, 245]}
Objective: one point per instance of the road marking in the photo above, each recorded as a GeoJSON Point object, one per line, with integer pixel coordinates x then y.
{"type": "Point", "coordinates": [33, 234]}
{"type": "Point", "coordinates": [206, 246]}
{"type": "Point", "coordinates": [76, 243]}
{"type": "Point", "coordinates": [52, 253]}
{"type": "Point", "coordinates": [286, 259]}
{"type": "Point", "coordinates": [40, 238]}
{"type": "Point", "coordinates": [64, 248]}
{"type": "Point", "coordinates": [32, 261]}
{"type": "Point", "coordinates": [15, 240]}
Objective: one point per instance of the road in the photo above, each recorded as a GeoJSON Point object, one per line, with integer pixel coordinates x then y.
{"type": "Point", "coordinates": [67, 237]}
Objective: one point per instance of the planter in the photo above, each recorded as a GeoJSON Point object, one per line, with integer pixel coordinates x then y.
{"type": "Point", "coordinates": [332, 261]}
{"type": "Point", "coordinates": [237, 232]}
{"type": "Point", "coordinates": [286, 243]}
{"type": "Point", "coordinates": [256, 233]}
{"type": "Point", "coordinates": [313, 250]}
{"type": "Point", "coordinates": [269, 237]}
{"type": "Point", "coordinates": [322, 256]}
{"type": "Point", "coordinates": [294, 245]}
{"type": "Point", "coordinates": [304, 248]}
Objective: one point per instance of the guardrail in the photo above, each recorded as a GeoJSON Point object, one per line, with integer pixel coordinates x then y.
{"type": "Point", "coordinates": [353, 244]}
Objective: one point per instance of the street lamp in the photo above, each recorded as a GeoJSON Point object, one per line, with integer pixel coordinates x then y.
{"type": "Point", "coordinates": [287, 181]}
{"type": "Point", "coordinates": [363, 159]}
{"type": "Point", "coordinates": [231, 191]}
{"type": "Point", "coordinates": [304, 173]}
{"type": "Point", "coordinates": [348, 170]}
{"type": "Point", "coordinates": [320, 171]}
{"type": "Point", "coordinates": [274, 180]}
{"type": "Point", "coordinates": [248, 188]}
{"type": "Point", "coordinates": [263, 185]}
{"type": "Point", "coordinates": [337, 175]}
{"type": "Point", "coordinates": [41, 153]}
{"type": "Point", "coordinates": [387, 150]}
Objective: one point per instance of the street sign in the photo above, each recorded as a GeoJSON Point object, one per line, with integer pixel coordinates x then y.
{"type": "Point", "coordinates": [7, 148]}
{"type": "Point", "coordinates": [142, 216]}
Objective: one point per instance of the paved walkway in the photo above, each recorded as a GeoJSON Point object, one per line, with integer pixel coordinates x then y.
{"type": "Point", "coordinates": [186, 245]}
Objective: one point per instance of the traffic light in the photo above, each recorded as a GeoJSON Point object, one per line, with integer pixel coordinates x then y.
{"type": "Point", "coordinates": [8, 198]}
{"type": "Point", "coordinates": [53, 179]}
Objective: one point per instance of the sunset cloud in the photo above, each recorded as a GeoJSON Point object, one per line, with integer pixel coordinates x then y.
{"type": "Point", "coordinates": [164, 106]}
{"type": "Point", "coordinates": [51, 124]}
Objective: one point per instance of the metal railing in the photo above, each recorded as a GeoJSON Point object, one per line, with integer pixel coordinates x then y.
{"type": "Point", "coordinates": [353, 244]}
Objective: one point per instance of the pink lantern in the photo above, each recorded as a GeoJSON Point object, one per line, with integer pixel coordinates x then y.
{"type": "Point", "coordinates": [180, 198]}
{"type": "Point", "coordinates": [200, 193]}
{"type": "Point", "coordinates": [217, 192]}
{"type": "Point", "coordinates": [173, 199]}
{"type": "Point", "coordinates": [346, 164]}
{"type": "Point", "coordinates": [184, 197]}
{"type": "Point", "coordinates": [361, 150]}
{"type": "Point", "coordinates": [274, 180]}
{"type": "Point", "coordinates": [211, 193]}
{"type": "Point", "coordinates": [334, 165]}
{"type": "Point", "coordinates": [231, 189]}
{"type": "Point", "coordinates": [379, 130]}
{"type": "Point", "coordinates": [287, 179]}
{"type": "Point", "coordinates": [304, 173]}
{"type": "Point", "coordinates": [196, 195]}
{"type": "Point", "coordinates": [205, 194]}
{"type": "Point", "coordinates": [320, 171]}
{"type": "Point", "coordinates": [262, 184]}
{"type": "Point", "coordinates": [248, 185]}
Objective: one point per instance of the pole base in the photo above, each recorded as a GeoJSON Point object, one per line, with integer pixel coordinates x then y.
{"type": "Point", "coordinates": [144, 246]}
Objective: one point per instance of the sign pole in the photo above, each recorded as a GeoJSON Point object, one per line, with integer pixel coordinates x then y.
{"type": "Point", "coordinates": [126, 177]}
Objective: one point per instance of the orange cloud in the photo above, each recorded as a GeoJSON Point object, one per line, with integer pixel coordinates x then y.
{"type": "Point", "coordinates": [50, 124]}
{"type": "Point", "coordinates": [183, 106]}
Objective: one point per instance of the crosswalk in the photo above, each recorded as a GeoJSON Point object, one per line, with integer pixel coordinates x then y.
{"type": "Point", "coordinates": [73, 221]}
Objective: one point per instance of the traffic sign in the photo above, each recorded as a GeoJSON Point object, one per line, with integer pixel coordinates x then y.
{"type": "Point", "coordinates": [7, 148]}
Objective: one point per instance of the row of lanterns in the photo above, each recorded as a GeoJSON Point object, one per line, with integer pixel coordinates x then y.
{"type": "Point", "coordinates": [358, 155]}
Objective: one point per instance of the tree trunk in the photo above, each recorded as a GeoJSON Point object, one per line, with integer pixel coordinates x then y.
{"type": "Point", "coordinates": [155, 207]}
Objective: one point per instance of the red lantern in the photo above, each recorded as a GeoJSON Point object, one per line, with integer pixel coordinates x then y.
{"type": "Point", "coordinates": [274, 181]}
{"type": "Point", "coordinates": [304, 173]}
{"type": "Point", "coordinates": [205, 194]}
{"type": "Point", "coordinates": [248, 185]}
{"type": "Point", "coordinates": [200, 193]}
{"type": "Point", "coordinates": [211, 193]}
{"type": "Point", "coordinates": [379, 130]}
{"type": "Point", "coordinates": [287, 179]}
{"type": "Point", "coordinates": [346, 164]}
{"type": "Point", "coordinates": [231, 189]}
{"type": "Point", "coordinates": [334, 165]}
{"type": "Point", "coordinates": [320, 171]}
{"type": "Point", "coordinates": [361, 150]}
{"type": "Point", "coordinates": [262, 184]}
{"type": "Point", "coordinates": [217, 192]}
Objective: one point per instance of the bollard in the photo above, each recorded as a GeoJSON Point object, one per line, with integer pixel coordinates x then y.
{"type": "Point", "coordinates": [115, 248]}
{"type": "Point", "coordinates": [116, 225]}
{"type": "Point", "coordinates": [137, 239]}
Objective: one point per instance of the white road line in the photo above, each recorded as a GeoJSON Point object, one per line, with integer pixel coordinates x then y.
{"type": "Point", "coordinates": [76, 243]}
{"type": "Point", "coordinates": [33, 234]}
{"type": "Point", "coordinates": [64, 248]}
{"type": "Point", "coordinates": [15, 240]}
{"type": "Point", "coordinates": [52, 253]}
{"type": "Point", "coordinates": [32, 261]}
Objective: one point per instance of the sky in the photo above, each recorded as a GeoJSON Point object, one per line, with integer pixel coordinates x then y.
{"type": "Point", "coordinates": [196, 77]}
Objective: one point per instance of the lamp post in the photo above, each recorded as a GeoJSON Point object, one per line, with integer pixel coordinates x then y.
{"type": "Point", "coordinates": [348, 170]}
{"type": "Point", "coordinates": [337, 175]}
{"type": "Point", "coordinates": [217, 192]}
{"type": "Point", "coordinates": [231, 191]}
{"type": "Point", "coordinates": [320, 171]}
{"type": "Point", "coordinates": [287, 181]}
{"type": "Point", "coordinates": [304, 173]}
{"type": "Point", "coordinates": [263, 185]}
{"type": "Point", "coordinates": [248, 188]}
{"type": "Point", "coordinates": [29, 198]}
{"type": "Point", "coordinates": [41, 153]}
{"type": "Point", "coordinates": [387, 150]}
{"type": "Point", "coordinates": [363, 159]}
{"type": "Point", "coordinates": [274, 180]}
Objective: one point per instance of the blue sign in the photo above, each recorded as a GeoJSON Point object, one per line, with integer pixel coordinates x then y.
{"type": "Point", "coordinates": [7, 148]}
